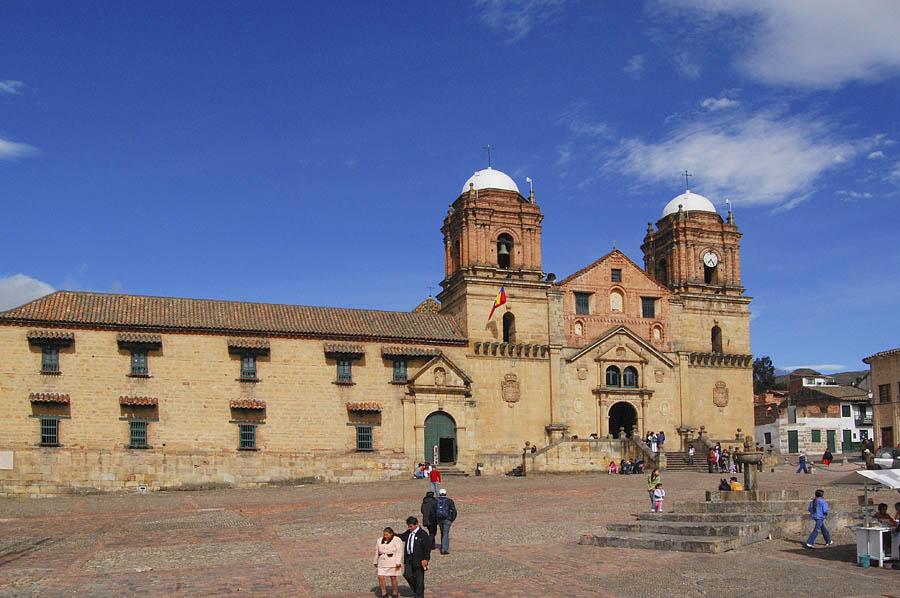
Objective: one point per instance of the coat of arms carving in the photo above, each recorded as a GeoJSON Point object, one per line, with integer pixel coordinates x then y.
{"type": "Point", "coordinates": [659, 375]}
{"type": "Point", "coordinates": [509, 389]}
{"type": "Point", "coordinates": [582, 373]}
{"type": "Point", "coordinates": [720, 394]}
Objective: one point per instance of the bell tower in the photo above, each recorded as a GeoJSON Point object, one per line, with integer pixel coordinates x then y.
{"type": "Point", "coordinates": [492, 239]}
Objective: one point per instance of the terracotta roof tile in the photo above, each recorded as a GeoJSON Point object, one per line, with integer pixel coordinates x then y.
{"type": "Point", "coordinates": [247, 404]}
{"type": "Point", "coordinates": [48, 397]}
{"type": "Point", "coordinates": [396, 351]}
{"type": "Point", "coordinates": [50, 335]}
{"type": "Point", "coordinates": [365, 407]}
{"type": "Point", "coordinates": [344, 349]}
{"type": "Point", "coordinates": [248, 343]}
{"type": "Point", "coordinates": [159, 314]}
{"type": "Point", "coordinates": [139, 338]}
{"type": "Point", "coordinates": [428, 306]}
{"type": "Point", "coordinates": [138, 401]}
{"type": "Point", "coordinates": [881, 354]}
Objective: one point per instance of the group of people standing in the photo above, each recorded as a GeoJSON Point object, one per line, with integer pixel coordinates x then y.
{"type": "Point", "coordinates": [721, 460]}
{"type": "Point", "coordinates": [411, 549]}
{"type": "Point", "coordinates": [655, 442]}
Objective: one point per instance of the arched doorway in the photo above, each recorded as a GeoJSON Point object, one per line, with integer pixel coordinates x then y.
{"type": "Point", "coordinates": [622, 415]}
{"type": "Point", "coordinates": [440, 438]}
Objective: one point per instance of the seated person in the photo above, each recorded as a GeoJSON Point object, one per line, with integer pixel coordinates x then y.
{"type": "Point", "coordinates": [639, 466]}
{"type": "Point", "coordinates": [622, 466]}
{"type": "Point", "coordinates": [724, 485]}
{"type": "Point", "coordinates": [884, 518]}
{"type": "Point", "coordinates": [613, 468]}
{"type": "Point", "coordinates": [420, 471]}
{"type": "Point", "coordinates": [735, 485]}
{"type": "Point", "coordinates": [629, 467]}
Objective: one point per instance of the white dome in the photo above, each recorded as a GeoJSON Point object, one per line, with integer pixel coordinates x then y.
{"type": "Point", "coordinates": [689, 202]}
{"type": "Point", "coordinates": [491, 179]}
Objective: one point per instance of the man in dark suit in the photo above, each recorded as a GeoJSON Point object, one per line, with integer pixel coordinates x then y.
{"type": "Point", "coordinates": [417, 553]}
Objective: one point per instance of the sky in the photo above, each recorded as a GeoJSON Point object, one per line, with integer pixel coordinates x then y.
{"type": "Point", "coordinates": [307, 152]}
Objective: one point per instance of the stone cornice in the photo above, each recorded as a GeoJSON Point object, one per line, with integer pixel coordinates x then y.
{"type": "Point", "coordinates": [719, 360]}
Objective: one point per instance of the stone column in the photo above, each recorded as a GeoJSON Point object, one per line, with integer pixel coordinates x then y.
{"type": "Point", "coordinates": [604, 419]}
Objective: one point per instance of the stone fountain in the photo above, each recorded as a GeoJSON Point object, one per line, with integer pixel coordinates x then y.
{"type": "Point", "coordinates": [750, 459]}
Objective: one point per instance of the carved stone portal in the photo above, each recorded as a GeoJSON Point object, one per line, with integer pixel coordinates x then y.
{"type": "Point", "coordinates": [509, 389]}
{"type": "Point", "coordinates": [720, 394]}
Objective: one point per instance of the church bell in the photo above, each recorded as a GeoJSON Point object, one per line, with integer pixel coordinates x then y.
{"type": "Point", "coordinates": [503, 250]}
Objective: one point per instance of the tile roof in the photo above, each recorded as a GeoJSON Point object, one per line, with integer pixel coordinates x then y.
{"type": "Point", "coordinates": [247, 404]}
{"type": "Point", "coordinates": [74, 309]}
{"type": "Point", "coordinates": [138, 401]}
{"type": "Point", "coordinates": [48, 397]}
{"type": "Point", "coordinates": [410, 351]}
{"type": "Point", "coordinates": [139, 338]}
{"type": "Point", "coordinates": [366, 407]}
{"type": "Point", "coordinates": [881, 354]}
{"type": "Point", "coordinates": [598, 261]}
{"type": "Point", "coordinates": [53, 335]}
{"type": "Point", "coordinates": [249, 343]}
{"type": "Point", "coordinates": [428, 306]}
{"type": "Point", "coordinates": [344, 349]}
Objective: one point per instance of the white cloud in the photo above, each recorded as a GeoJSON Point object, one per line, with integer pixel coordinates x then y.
{"type": "Point", "coordinates": [19, 288]}
{"type": "Point", "coordinates": [714, 104]}
{"type": "Point", "coordinates": [517, 18]}
{"type": "Point", "coordinates": [10, 150]}
{"type": "Point", "coordinates": [894, 175]}
{"type": "Point", "coordinates": [808, 43]}
{"type": "Point", "coordinates": [565, 153]}
{"type": "Point", "coordinates": [635, 66]}
{"type": "Point", "coordinates": [848, 195]}
{"type": "Point", "coordinates": [876, 155]}
{"type": "Point", "coordinates": [11, 87]}
{"type": "Point", "coordinates": [819, 367]}
{"type": "Point", "coordinates": [756, 160]}
{"type": "Point", "coordinates": [687, 67]}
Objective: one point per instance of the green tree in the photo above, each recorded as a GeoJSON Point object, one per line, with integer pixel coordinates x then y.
{"type": "Point", "coordinates": [763, 374]}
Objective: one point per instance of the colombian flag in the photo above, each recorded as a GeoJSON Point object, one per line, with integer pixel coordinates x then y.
{"type": "Point", "coordinates": [500, 300]}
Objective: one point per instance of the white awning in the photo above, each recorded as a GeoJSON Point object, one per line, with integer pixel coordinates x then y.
{"type": "Point", "coordinates": [885, 477]}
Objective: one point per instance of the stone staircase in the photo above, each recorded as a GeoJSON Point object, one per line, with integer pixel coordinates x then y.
{"type": "Point", "coordinates": [725, 521]}
{"type": "Point", "coordinates": [515, 472]}
{"type": "Point", "coordinates": [452, 471]}
{"type": "Point", "coordinates": [679, 462]}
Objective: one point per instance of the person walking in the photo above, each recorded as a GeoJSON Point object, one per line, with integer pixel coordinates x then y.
{"type": "Point", "coordinates": [389, 561]}
{"type": "Point", "coordinates": [691, 455]}
{"type": "Point", "coordinates": [416, 556]}
{"type": "Point", "coordinates": [654, 443]}
{"type": "Point", "coordinates": [802, 464]}
{"type": "Point", "coordinates": [429, 518]}
{"type": "Point", "coordinates": [652, 480]}
{"type": "Point", "coordinates": [435, 477]}
{"type": "Point", "coordinates": [827, 458]}
{"type": "Point", "coordinates": [818, 510]}
{"type": "Point", "coordinates": [661, 440]}
{"type": "Point", "coordinates": [445, 510]}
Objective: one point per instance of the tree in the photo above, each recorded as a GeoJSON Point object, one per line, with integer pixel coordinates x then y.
{"type": "Point", "coordinates": [763, 374]}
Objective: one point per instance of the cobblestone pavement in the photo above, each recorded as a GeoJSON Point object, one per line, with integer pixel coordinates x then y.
{"type": "Point", "coordinates": [515, 537]}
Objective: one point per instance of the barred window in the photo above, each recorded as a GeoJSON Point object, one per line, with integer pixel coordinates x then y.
{"type": "Point", "coordinates": [248, 436]}
{"type": "Point", "coordinates": [400, 370]}
{"type": "Point", "coordinates": [343, 371]}
{"type": "Point", "coordinates": [582, 304]}
{"type": "Point", "coordinates": [364, 438]}
{"type": "Point", "coordinates": [139, 363]}
{"type": "Point", "coordinates": [648, 307]}
{"type": "Point", "coordinates": [50, 360]}
{"type": "Point", "coordinates": [884, 393]}
{"type": "Point", "coordinates": [49, 432]}
{"type": "Point", "coordinates": [248, 367]}
{"type": "Point", "coordinates": [138, 434]}
{"type": "Point", "coordinates": [616, 275]}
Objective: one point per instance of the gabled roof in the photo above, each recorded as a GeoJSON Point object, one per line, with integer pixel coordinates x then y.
{"type": "Point", "coordinates": [597, 262]}
{"type": "Point", "coordinates": [627, 332]}
{"type": "Point", "coordinates": [805, 372]}
{"type": "Point", "coordinates": [840, 393]}
{"type": "Point", "coordinates": [71, 309]}
{"type": "Point", "coordinates": [459, 371]}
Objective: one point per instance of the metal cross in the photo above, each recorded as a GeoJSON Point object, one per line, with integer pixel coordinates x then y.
{"type": "Point", "coordinates": [429, 291]}
{"type": "Point", "coordinates": [686, 174]}
{"type": "Point", "coordinates": [488, 147]}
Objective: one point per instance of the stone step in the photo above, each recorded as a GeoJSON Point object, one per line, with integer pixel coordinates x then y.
{"type": "Point", "coordinates": [712, 518]}
{"type": "Point", "coordinates": [452, 471]}
{"type": "Point", "coordinates": [690, 528]}
{"type": "Point", "coordinates": [651, 541]}
{"type": "Point", "coordinates": [774, 506]}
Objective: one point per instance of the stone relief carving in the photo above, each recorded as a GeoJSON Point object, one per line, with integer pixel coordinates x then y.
{"type": "Point", "coordinates": [720, 394]}
{"type": "Point", "coordinates": [578, 406]}
{"type": "Point", "coordinates": [664, 408]}
{"type": "Point", "coordinates": [509, 389]}
{"type": "Point", "coordinates": [582, 373]}
{"type": "Point", "coordinates": [440, 377]}
{"type": "Point", "coordinates": [659, 375]}
{"type": "Point", "coordinates": [620, 351]}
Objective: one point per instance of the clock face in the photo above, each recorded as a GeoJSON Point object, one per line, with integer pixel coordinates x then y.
{"type": "Point", "coordinates": [710, 259]}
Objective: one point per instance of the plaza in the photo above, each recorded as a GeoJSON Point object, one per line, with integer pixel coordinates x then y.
{"type": "Point", "coordinates": [514, 537]}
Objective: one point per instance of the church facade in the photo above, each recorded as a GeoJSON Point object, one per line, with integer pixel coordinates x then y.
{"type": "Point", "coordinates": [115, 391]}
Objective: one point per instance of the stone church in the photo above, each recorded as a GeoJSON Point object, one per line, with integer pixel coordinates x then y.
{"type": "Point", "coordinates": [107, 391]}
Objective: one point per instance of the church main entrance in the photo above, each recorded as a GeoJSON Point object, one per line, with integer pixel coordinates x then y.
{"type": "Point", "coordinates": [440, 438]}
{"type": "Point", "coordinates": [622, 415]}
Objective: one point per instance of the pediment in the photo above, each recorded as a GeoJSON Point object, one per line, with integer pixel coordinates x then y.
{"type": "Point", "coordinates": [618, 348]}
{"type": "Point", "coordinates": [621, 344]}
{"type": "Point", "coordinates": [441, 376]}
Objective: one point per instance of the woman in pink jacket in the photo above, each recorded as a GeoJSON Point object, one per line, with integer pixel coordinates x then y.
{"type": "Point", "coordinates": [389, 560]}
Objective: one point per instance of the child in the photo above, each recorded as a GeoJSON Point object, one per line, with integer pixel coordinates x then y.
{"type": "Point", "coordinates": [658, 496]}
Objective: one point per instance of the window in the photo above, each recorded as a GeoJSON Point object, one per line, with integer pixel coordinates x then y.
{"type": "Point", "coordinates": [50, 360]}
{"type": "Point", "coordinates": [612, 376]}
{"type": "Point", "coordinates": [248, 367]}
{"type": "Point", "coordinates": [630, 377]}
{"type": "Point", "coordinates": [884, 393]}
{"type": "Point", "coordinates": [49, 432]}
{"type": "Point", "coordinates": [509, 327]}
{"type": "Point", "coordinates": [768, 437]}
{"type": "Point", "coordinates": [399, 370]}
{"type": "Point", "coordinates": [662, 272]}
{"type": "Point", "coordinates": [504, 251]}
{"type": "Point", "coordinates": [616, 275]}
{"type": "Point", "coordinates": [648, 307]}
{"type": "Point", "coordinates": [616, 300]}
{"type": "Point", "coordinates": [582, 304]}
{"type": "Point", "coordinates": [792, 415]}
{"type": "Point", "coordinates": [343, 371]}
{"type": "Point", "coordinates": [845, 410]}
{"type": "Point", "coordinates": [364, 438]}
{"type": "Point", "coordinates": [138, 433]}
{"type": "Point", "coordinates": [248, 437]}
{"type": "Point", "coordinates": [139, 363]}
{"type": "Point", "coordinates": [816, 435]}
{"type": "Point", "coordinates": [716, 339]}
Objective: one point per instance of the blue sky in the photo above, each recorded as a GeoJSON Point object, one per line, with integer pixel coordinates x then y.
{"type": "Point", "coordinates": [307, 152]}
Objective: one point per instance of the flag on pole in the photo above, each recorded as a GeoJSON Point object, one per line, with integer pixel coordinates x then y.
{"type": "Point", "coordinates": [500, 300]}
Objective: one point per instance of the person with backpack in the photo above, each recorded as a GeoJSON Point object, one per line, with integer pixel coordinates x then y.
{"type": "Point", "coordinates": [445, 509]}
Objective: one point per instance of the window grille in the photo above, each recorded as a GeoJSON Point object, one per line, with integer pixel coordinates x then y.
{"type": "Point", "coordinates": [400, 370]}
{"type": "Point", "coordinates": [616, 275]}
{"type": "Point", "coordinates": [582, 304]}
{"type": "Point", "coordinates": [364, 438]}
{"type": "Point", "coordinates": [884, 393]}
{"type": "Point", "coordinates": [648, 307]}
{"type": "Point", "coordinates": [49, 432]}
{"type": "Point", "coordinates": [248, 436]}
{"type": "Point", "coordinates": [343, 371]}
{"type": "Point", "coordinates": [50, 360]}
{"type": "Point", "coordinates": [248, 367]}
{"type": "Point", "coordinates": [138, 434]}
{"type": "Point", "coordinates": [139, 363]}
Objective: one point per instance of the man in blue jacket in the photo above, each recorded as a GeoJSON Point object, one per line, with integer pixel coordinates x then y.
{"type": "Point", "coordinates": [818, 510]}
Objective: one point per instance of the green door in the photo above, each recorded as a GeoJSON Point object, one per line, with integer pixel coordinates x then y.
{"type": "Point", "coordinates": [793, 442]}
{"type": "Point", "coordinates": [440, 427]}
{"type": "Point", "coordinates": [847, 440]}
{"type": "Point", "coordinates": [829, 439]}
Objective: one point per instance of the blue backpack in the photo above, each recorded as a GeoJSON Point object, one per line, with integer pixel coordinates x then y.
{"type": "Point", "coordinates": [443, 508]}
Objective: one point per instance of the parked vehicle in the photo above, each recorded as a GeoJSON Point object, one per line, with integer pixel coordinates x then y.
{"type": "Point", "coordinates": [887, 458]}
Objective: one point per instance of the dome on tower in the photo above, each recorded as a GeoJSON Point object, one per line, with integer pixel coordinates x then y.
{"type": "Point", "coordinates": [689, 202]}
{"type": "Point", "coordinates": [491, 179]}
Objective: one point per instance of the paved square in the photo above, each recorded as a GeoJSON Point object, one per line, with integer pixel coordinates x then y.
{"type": "Point", "coordinates": [514, 537]}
